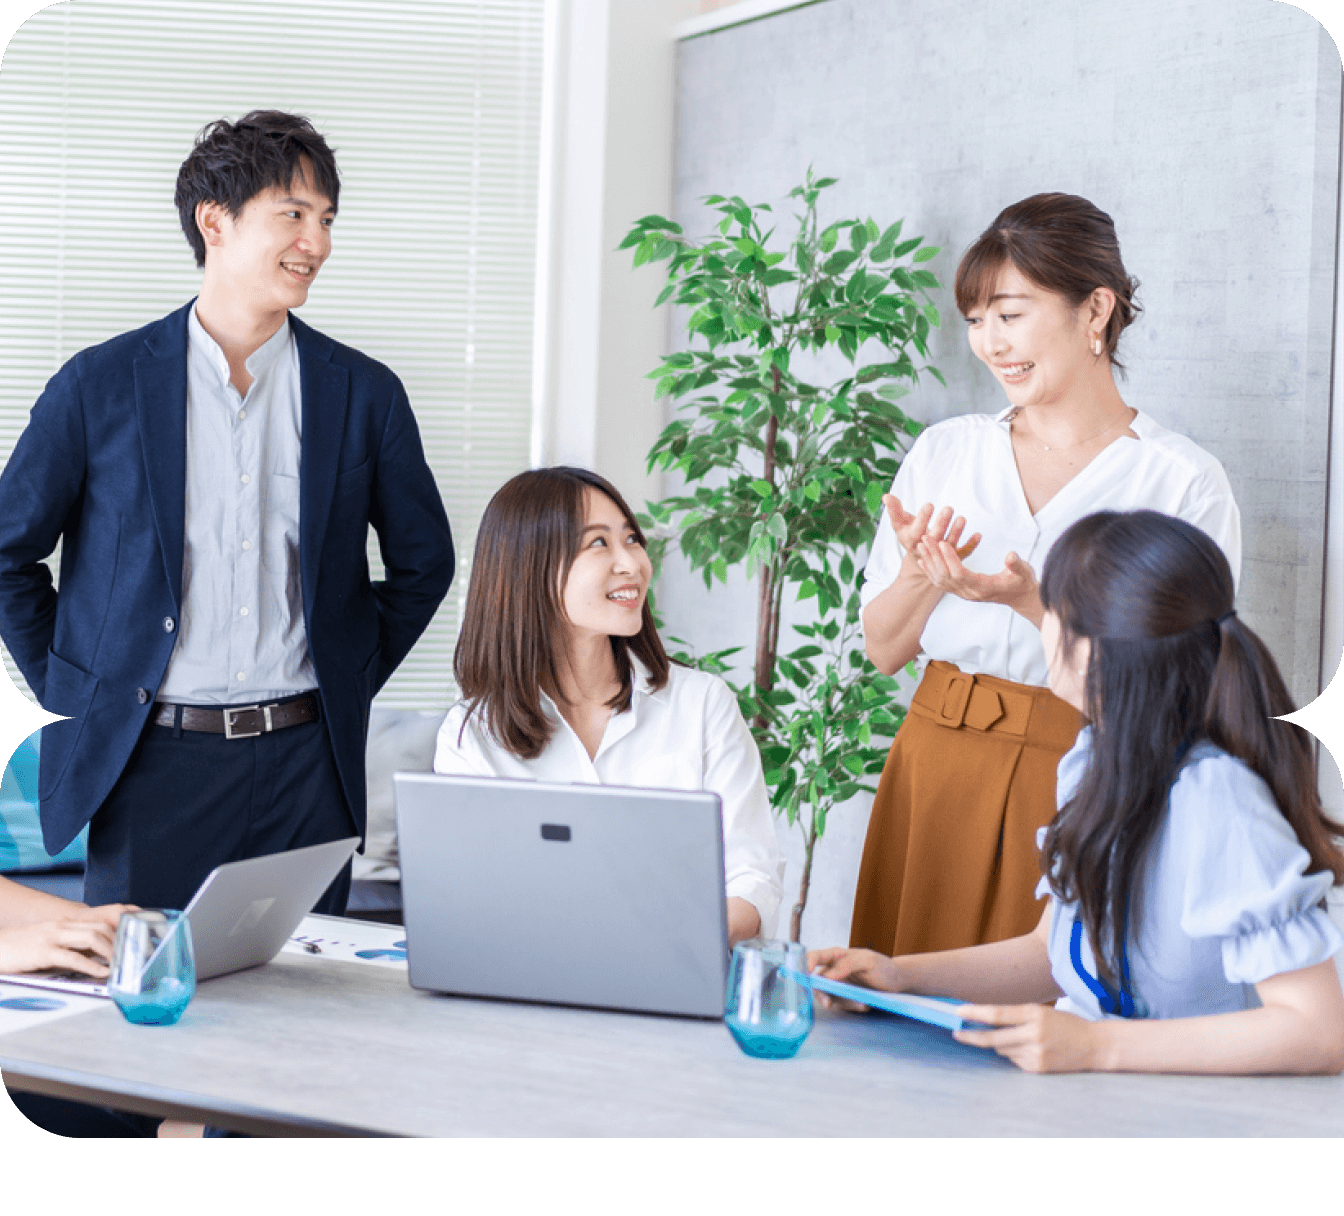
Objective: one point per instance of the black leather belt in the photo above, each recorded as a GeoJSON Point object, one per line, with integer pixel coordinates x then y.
{"type": "Point", "coordinates": [240, 721]}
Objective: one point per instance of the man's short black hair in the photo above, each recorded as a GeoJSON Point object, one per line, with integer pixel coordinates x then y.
{"type": "Point", "coordinates": [233, 162]}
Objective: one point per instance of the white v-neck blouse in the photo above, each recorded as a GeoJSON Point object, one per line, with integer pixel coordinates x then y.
{"type": "Point", "coordinates": [689, 735]}
{"type": "Point", "coordinates": [967, 463]}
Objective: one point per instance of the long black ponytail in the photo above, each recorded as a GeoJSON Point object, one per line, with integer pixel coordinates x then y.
{"type": "Point", "coordinates": [1170, 663]}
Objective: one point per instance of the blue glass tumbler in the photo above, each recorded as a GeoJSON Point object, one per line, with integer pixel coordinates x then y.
{"type": "Point", "coordinates": [768, 1007]}
{"type": "Point", "coordinates": [153, 967]}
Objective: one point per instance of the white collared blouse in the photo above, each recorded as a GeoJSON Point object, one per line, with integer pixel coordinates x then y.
{"type": "Point", "coordinates": [689, 735]}
{"type": "Point", "coordinates": [967, 463]}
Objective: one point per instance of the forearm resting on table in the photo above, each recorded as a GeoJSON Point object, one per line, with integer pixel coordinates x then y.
{"type": "Point", "coordinates": [894, 620]}
{"type": "Point", "coordinates": [1011, 972]}
{"type": "Point", "coordinates": [1299, 1029]}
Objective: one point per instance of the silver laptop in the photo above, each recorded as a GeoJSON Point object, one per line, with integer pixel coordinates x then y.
{"type": "Point", "coordinates": [570, 894]}
{"type": "Point", "coordinates": [240, 916]}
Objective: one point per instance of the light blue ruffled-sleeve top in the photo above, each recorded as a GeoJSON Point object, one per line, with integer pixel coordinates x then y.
{"type": "Point", "coordinates": [1227, 902]}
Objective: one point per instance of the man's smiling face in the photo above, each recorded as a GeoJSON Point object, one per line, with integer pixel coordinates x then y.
{"type": "Point", "coordinates": [268, 255]}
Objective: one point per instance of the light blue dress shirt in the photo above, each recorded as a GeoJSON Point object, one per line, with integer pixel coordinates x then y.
{"type": "Point", "coordinates": [241, 638]}
{"type": "Point", "coordinates": [1226, 900]}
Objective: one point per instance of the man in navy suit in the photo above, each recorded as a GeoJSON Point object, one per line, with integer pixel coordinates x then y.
{"type": "Point", "coordinates": [216, 640]}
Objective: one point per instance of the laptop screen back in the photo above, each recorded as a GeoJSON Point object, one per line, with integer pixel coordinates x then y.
{"type": "Point", "coordinates": [572, 894]}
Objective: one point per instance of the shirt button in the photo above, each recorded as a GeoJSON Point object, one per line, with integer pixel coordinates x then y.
{"type": "Point", "coordinates": [242, 675]}
{"type": "Point", "coordinates": [142, 695]}
{"type": "Point", "coordinates": [242, 611]}
{"type": "Point", "coordinates": [169, 624]}
{"type": "Point", "coordinates": [244, 479]}
{"type": "Point", "coordinates": [241, 415]}
{"type": "Point", "coordinates": [247, 544]}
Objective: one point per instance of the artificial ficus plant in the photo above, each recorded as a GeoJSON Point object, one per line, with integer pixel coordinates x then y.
{"type": "Point", "coordinates": [786, 476]}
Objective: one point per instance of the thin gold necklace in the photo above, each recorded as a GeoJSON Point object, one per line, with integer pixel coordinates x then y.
{"type": "Point", "coordinates": [1068, 446]}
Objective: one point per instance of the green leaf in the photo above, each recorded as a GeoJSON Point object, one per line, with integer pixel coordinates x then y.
{"type": "Point", "coordinates": [828, 239]}
{"type": "Point", "coordinates": [838, 262]}
{"type": "Point", "coordinates": [905, 246]}
{"type": "Point", "coordinates": [806, 589]}
{"type": "Point", "coordinates": [927, 253]}
{"type": "Point", "coordinates": [763, 488]}
{"type": "Point", "coordinates": [858, 238]}
{"type": "Point", "coordinates": [832, 334]}
{"type": "Point", "coordinates": [872, 496]}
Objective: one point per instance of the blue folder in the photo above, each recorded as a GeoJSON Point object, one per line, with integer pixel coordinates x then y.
{"type": "Point", "coordinates": [936, 1010]}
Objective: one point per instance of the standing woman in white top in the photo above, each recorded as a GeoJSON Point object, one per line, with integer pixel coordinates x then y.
{"type": "Point", "coordinates": [564, 678]}
{"type": "Point", "coordinates": [950, 857]}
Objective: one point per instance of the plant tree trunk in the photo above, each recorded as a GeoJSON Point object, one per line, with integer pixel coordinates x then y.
{"type": "Point", "coordinates": [796, 921]}
{"type": "Point", "coordinates": [767, 611]}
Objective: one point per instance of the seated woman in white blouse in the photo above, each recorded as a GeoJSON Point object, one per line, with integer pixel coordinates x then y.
{"type": "Point", "coordinates": [564, 678]}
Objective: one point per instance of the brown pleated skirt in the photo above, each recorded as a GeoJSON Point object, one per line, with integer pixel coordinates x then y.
{"type": "Point", "coordinates": [950, 859]}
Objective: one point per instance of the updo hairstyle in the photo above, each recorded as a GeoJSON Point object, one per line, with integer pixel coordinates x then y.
{"type": "Point", "coordinates": [1063, 244]}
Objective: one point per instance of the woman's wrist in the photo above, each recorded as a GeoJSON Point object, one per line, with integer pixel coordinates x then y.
{"type": "Point", "coordinates": [1028, 604]}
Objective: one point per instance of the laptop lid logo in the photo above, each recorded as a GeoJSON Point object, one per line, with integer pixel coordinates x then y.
{"type": "Point", "coordinates": [255, 914]}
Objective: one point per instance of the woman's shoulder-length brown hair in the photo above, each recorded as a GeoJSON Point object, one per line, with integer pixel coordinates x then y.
{"type": "Point", "coordinates": [514, 621]}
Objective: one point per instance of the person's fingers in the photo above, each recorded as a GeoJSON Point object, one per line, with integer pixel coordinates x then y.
{"type": "Point", "coordinates": [929, 563]}
{"type": "Point", "coordinates": [73, 960]}
{"type": "Point", "coordinates": [825, 956]}
{"type": "Point", "coordinates": [91, 941]}
{"type": "Point", "coordinates": [108, 914]}
{"type": "Point", "coordinates": [895, 512]}
{"type": "Point", "coordinates": [913, 527]}
{"type": "Point", "coordinates": [965, 551]}
{"type": "Point", "coordinates": [941, 522]}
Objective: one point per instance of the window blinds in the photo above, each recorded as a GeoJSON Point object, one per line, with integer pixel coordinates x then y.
{"type": "Point", "coordinates": [433, 110]}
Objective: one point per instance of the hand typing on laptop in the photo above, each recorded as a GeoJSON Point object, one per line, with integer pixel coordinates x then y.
{"type": "Point", "coordinates": [38, 931]}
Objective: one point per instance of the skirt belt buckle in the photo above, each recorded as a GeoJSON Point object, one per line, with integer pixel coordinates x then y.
{"type": "Point", "coordinates": [956, 697]}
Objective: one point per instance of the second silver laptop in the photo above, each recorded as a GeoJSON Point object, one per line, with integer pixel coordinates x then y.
{"type": "Point", "coordinates": [571, 894]}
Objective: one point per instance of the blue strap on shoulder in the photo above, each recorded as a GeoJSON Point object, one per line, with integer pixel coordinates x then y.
{"type": "Point", "coordinates": [1111, 1002]}
{"type": "Point", "coordinates": [1121, 1002]}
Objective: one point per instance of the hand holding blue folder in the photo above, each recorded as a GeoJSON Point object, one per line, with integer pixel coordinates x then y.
{"type": "Point", "coordinates": [935, 1010]}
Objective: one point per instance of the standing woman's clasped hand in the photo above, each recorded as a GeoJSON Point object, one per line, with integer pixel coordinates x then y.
{"type": "Point", "coordinates": [924, 525]}
{"type": "Point", "coordinates": [934, 549]}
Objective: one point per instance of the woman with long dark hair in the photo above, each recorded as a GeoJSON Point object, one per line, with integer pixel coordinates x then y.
{"type": "Point", "coordinates": [1189, 861]}
{"type": "Point", "coordinates": [950, 857]}
{"type": "Point", "coordinates": [564, 678]}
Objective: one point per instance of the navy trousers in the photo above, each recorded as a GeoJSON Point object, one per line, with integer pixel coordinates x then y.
{"type": "Point", "coordinates": [189, 801]}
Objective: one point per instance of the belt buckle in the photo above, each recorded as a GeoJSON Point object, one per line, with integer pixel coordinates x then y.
{"type": "Point", "coordinates": [230, 733]}
{"type": "Point", "coordinates": [956, 697]}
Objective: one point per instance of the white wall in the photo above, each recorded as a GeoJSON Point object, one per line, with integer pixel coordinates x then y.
{"type": "Point", "coordinates": [610, 92]}
{"type": "Point", "coordinates": [613, 149]}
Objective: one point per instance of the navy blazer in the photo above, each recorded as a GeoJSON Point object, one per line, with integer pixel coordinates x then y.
{"type": "Point", "coordinates": [102, 465]}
